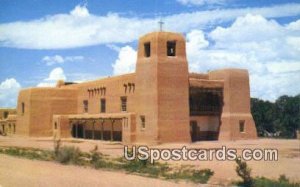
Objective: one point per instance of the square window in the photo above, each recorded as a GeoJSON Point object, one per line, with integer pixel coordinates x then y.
{"type": "Point", "coordinates": [242, 125]}
{"type": "Point", "coordinates": [5, 115]}
{"type": "Point", "coordinates": [85, 106]}
{"type": "Point", "coordinates": [171, 48]}
{"type": "Point", "coordinates": [123, 104]}
{"type": "Point", "coordinates": [103, 106]}
{"type": "Point", "coordinates": [23, 108]}
{"type": "Point", "coordinates": [143, 122]}
{"type": "Point", "coordinates": [147, 48]}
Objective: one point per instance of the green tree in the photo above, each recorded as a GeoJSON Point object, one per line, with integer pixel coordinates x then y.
{"type": "Point", "coordinates": [288, 115]}
{"type": "Point", "coordinates": [282, 116]}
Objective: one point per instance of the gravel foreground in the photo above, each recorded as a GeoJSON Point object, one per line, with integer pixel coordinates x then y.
{"type": "Point", "coordinates": [21, 172]}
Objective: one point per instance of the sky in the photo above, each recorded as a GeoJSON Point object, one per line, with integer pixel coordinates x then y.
{"type": "Point", "coordinates": [42, 41]}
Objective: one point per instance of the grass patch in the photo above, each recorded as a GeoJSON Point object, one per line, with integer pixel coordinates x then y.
{"type": "Point", "coordinates": [29, 153]}
{"type": "Point", "coordinates": [145, 168]}
{"type": "Point", "coordinates": [282, 181]}
{"type": "Point", "coordinates": [196, 176]}
{"type": "Point", "coordinates": [244, 172]}
{"type": "Point", "coordinates": [97, 160]}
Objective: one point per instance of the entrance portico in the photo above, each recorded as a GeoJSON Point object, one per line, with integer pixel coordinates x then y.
{"type": "Point", "coordinates": [108, 127]}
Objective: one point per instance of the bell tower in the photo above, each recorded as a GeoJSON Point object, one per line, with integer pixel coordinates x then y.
{"type": "Point", "coordinates": [162, 89]}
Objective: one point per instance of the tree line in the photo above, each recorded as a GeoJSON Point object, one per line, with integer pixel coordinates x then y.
{"type": "Point", "coordinates": [279, 119]}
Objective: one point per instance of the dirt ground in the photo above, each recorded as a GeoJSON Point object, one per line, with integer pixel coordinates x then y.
{"type": "Point", "coordinates": [15, 171]}
{"type": "Point", "coordinates": [21, 172]}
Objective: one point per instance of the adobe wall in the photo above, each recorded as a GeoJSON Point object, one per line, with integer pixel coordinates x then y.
{"type": "Point", "coordinates": [173, 101]}
{"type": "Point", "coordinates": [114, 89]}
{"type": "Point", "coordinates": [146, 79]}
{"type": "Point", "coordinates": [129, 130]}
{"type": "Point", "coordinates": [162, 90]}
{"type": "Point", "coordinates": [40, 106]}
{"type": "Point", "coordinates": [61, 127]}
{"type": "Point", "coordinates": [236, 106]}
{"type": "Point", "coordinates": [23, 119]}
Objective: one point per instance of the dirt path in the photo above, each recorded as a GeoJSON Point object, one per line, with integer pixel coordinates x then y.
{"type": "Point", "coordinates": [22, 172]}
{"type": "Point", "coordinates": [224, 171]}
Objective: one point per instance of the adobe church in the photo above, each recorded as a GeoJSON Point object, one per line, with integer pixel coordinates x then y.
{"type": "Point", "coordinates": [160, 102]}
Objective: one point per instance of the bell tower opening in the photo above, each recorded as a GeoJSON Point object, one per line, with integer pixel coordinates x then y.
{"type": "Point", "coordinates": [147, 49]}
{"type": "Point", "coordinates": [171, 48]}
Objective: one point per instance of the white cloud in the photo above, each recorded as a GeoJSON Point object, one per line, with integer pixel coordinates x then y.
{"type": "Point", "coordinates": [283, 67]}
{"type": "Point", "coordinates": [197, 41]}
{"type": "Point", "coordinates": [245, 29]}
{"type": "Point", "coordinates": [269, 51]}
{"type": "Point", "coordinates": [270, 86]}
{"type": "Point", "coordinates": [126, 61]}
{"type": "Point", "coordinates": [55, 75]}
{"type": "Point", "coordinates": [50, 60]}
{"type": "Point", "coordinates": [81, 28]}
{"type": "Point", "coordinates": [9, 90]}
{"type": "Point", "coordinates": [201, 2]}
{"type": "Point", "coordinates": [80, 11]}
{"type": "Point", "coordinates": [57, 59]}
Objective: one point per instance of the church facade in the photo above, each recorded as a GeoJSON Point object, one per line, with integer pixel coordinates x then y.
{"type": "Point", "coordinates": [160, 102]}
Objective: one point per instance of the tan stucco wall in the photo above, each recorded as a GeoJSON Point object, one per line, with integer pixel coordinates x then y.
{"type": "Point", "coordinates": [115, 89]}
{"type": "Point", "coordinates": [236, 106]}
{"type": "Point", "coordinates": [40, 106]}
{"type": "Point", "coordinates": [162, 86]}
{"type": "Point", "coordinates": [23, 119]}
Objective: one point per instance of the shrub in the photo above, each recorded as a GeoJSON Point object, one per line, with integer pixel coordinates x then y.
{"type": "Point", "coordinates": [283, 178]}
{"type": "Point", "coordinates": [135, 165]}
{"type": "Point", "coordinates": [282, 181]}
{"type": "Point", "coordinates": [244, 172]}
{"type": "Point", "coordinates": [144, 167]}
{"type": "Point", "coordinates": [95, 157]}
{"type": "Point", "coordinates": [201, 176]}
{"type": "Point", "coordinates": [69, 155]}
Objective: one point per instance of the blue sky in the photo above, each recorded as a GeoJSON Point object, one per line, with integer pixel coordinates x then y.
{"type": "Point", "coordinates": [42, 41]}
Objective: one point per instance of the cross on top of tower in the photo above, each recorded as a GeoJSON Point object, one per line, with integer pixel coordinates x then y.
{"type": "Point", "coordinates": [160, 24]}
